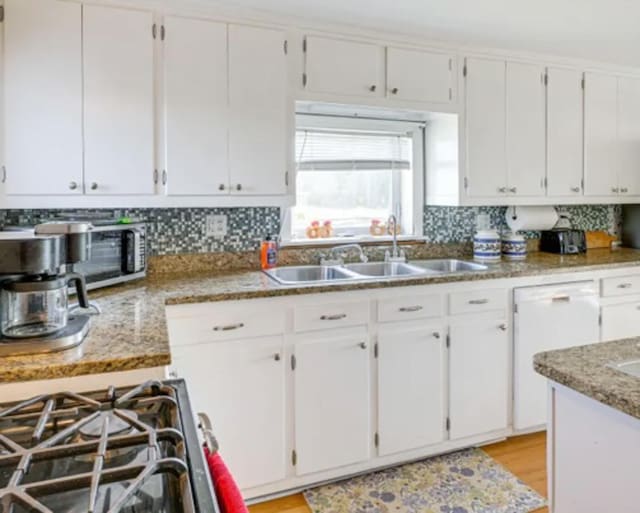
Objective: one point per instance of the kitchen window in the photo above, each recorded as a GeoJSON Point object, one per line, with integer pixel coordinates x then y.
{"type": "Point", "coordinates": [352, 174]}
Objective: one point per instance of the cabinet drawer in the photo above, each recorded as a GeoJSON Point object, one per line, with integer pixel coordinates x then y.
{"type": "Point", "coordinates": [410, 307]}
{"type": "Point", "coordinates": [214, 322]}
{"type": "Point", "coordinates": [621, 285]}
{"type": "Point", "coordinates": [477, 301]}
{"type": "Point", "coordinates": [331, 315]}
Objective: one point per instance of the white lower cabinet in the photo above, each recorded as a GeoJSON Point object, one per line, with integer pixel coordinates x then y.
{"type": "Point", "coordinates": [620, 321]}
{"type": "Point", "coordinates": [411, 387]}
{"type": "Point", "coordinates": [332, 397]}
{"type": "Point", "coordinates": [478, 376]}
{"type": "Point", "coordinates": [240, 384]}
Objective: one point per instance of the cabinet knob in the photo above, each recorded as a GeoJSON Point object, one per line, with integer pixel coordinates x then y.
{"type": "Point", "coordinates": [373, 88]}
{"type": "Point", "coordinates": [513, 189]}
{"type": "Point", "coordinates": [502, 189]}
{"type": "Point", "coordinates": [221, 187]}
{"type": "Point", "coordinates": [362, 345]}
{"type": "Point", "coordinates": [73, 186]}
{"type": "Point", "coordinates": [624, 189]}
{"type": "Point", "coordinates": [94, 186]}
{"type": "Point", "coordinates": [276, 357]}
{"type": "Point", "coordinates": [239, 187]}
{"type": "Point", "coordinates": [575, 189]}
{"type": "Point", "coordinates": [614, 189]}
{"type": "Point", "coordinates": [436, 334]}
{"type": "Point", "coordinates": [394, 90]}
{"type": "Point", "coordinates": [173, 374]}
{"type": "Point", "coordinates": [502, 327]}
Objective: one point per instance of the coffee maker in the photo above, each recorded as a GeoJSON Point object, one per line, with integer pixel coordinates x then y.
{"type": "Point", "coordinates": [34, 288]}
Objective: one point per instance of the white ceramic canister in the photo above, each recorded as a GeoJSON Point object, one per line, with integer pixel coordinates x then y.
{"type": "Point", "coordinates": [486, 245]}
{"type": "Point", "coordinates": [514, 246]}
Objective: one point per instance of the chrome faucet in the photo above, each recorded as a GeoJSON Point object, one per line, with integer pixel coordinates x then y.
{"type": "Point", "coordinates": [397, 255]}
{"type": "Point", "coordinates": [335, 259]}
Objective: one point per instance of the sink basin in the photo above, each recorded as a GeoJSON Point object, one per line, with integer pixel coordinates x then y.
{"type": "Point", "coordinates": [384, 269]}
{"type": "Point", "coordinates": [309, 274]}
{"type": "Point", "coordinates": [450, 265]}
{"type": "Point", "coordinates": [631, 367]}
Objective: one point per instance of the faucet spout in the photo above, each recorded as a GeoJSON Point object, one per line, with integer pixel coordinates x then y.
{"type": "Point", "coordinates": [397, 255]}
{"type": "Point", "coordinates": [335, 257]}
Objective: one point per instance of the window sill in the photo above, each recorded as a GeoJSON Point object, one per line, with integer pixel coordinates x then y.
{"type": "Point", "coordinates": [339, 241]}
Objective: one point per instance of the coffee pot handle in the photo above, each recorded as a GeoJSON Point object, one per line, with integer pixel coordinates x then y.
{"type": "Point", "coordinates": [81, 288]}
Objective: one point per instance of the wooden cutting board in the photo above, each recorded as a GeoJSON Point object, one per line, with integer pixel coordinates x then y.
{"type": "Point", "coordinates": [599, 239]}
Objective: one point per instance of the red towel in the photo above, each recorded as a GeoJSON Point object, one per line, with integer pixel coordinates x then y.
{"type": "Point", "coordinates": [227, 492]}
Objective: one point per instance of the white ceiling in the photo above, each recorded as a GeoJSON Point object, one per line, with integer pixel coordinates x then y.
{"type": "Point", "coordinates": [604, 30]}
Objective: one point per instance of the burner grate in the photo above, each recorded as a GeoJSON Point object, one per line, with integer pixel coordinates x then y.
{"type": "Point", "coordinates": [98, 452]}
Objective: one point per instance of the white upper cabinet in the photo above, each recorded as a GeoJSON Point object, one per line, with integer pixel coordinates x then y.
{"type": "Point", "coordinates": [564, 132]}
{"type": "Point", "coordinates": [43, 97]}
{"type": "Point", "coordinates": [260, 126]}
{"type": "Point", "coordinates": [344, 67]}
{"type": "Point", "coordinates": [525, 129]}
{"type": "Point", "coordinates": [629, 136]}
{"type": "Point", "coordinates": [118, 101]}
{"type": "Point", "coordinates": [196, 106]}
{"type": "Point", "coordinates": [416, 75]}
{"type": "Point", "coordinates": [600, 133]}
{"type": "Point", "coordinates": [485, 129]}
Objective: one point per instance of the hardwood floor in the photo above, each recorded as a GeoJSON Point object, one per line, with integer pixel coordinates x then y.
{"type": "Point", "coordinates": [525, 456]}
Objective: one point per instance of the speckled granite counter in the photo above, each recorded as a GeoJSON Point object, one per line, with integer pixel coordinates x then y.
{"type": "Point", "coordinates": [131, 333]}
{"type": "Point", "coordinates": [584, 369]}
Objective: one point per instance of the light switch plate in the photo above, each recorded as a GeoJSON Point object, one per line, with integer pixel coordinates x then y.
{"type": "Point", "coordinates": [216, 226]}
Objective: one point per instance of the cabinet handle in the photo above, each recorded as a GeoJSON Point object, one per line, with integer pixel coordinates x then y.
{"type": "Point", "coordinates": [221, 187]}
{"type": "Point", "coordinates": [436, 334]}
{"type": "Point", "coordinates": [614, 189]}
{"type": "Point", "coordinates": [276, 357]}
{"type": "Point", "coordinates": [164, 177]}
{"type": "Point", "coordinates": [155, 176]}
{"type": "Point", "coordinates": [362, 345]}
{"type": "Point", "coordinates": [94, 186]}
{"type": "Point", "coordinates": [513, 189]}
{"type": "Point", "coordinates": [229, 327]}
{"type": "Point", "coordinates": [373, 88]}
{"type": "Point", "coordinates": [502, 327]}
{"type": "Point", "coordinates": [4, 174]}
{"type": "Point", "coordinates": [502, 189]}
{"type": "Point", "coordinates": [561, 299]}
{"type": "Point", "coordinates": [478, 301]}
{"type": "Point", "coordinates": [624, 189]}
{"type": "Point", "coordinates": [394, 90]}
{"type": "Point", "coordinates": [335, 317]}
{"type": "Point", "coordinates": [173, 374]}
{"type": "Point", "coordinates": [575, 189]}
{"type": "Point", "coordinates": [239, 187]}
{"type": "Point", "coordinates": [625, 286]}
{"type": "Point", "coordinates": [73, 186]}
{"type": "Point", "coordinates": [415, 308]}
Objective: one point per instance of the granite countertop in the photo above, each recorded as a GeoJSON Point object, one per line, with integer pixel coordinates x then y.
{"type": "Point", "coordinates": [131, 333]}
{"type": "Point", "coordinates": [584, 369]}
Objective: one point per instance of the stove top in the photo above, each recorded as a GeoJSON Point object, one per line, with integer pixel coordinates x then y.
{"type": "Point", "coordinates": [118, 450]}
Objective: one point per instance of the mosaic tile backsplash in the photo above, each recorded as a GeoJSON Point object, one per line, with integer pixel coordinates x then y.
{"type": "Point", "coordinates": [174, 231]}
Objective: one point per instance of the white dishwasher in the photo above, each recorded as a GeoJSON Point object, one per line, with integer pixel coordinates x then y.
{"type": "Point", "coordinates": [545, 318]}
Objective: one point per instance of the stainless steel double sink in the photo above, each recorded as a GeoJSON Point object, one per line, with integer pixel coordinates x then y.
{"type": "Point", "coordinates": [323, 274]}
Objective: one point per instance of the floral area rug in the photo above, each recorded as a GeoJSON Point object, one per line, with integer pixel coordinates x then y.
{"type": "Point", "coordinates": [467, 481]}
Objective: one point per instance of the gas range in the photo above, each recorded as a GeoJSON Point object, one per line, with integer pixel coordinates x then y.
{"type": "Point", "coordinates": [119, 450]}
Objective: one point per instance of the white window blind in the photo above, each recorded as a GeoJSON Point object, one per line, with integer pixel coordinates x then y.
{"type": "Point", "coordinates": [318, 150]}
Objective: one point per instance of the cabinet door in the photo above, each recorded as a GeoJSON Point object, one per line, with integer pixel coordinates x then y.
{"type": "Point", "coordinates": [410, 388]}
{"type": "Point", "coordinates": [620, 321]}
{"type": "Point", "coordinates": [629, 135]}
{"type": "Point", "coordinates": [420, 76]}
{"type": "Point", "coordinates": [332, 401]}
{"type": "Point", "coordinates": [485, 90]}
{"type": "Point", "coordinates": [196, 106]}
{"type": "Point", "coordinates": [259, 111]}
{"type": "Point", "coordinates": [564, 132]}
{"type": "Point", "coordinates": [118, 101]}
{"type": "Point", "coordinates": [43, 97]}
{"type": "Point", "coordinates": [600, 135]}
{"type": "Point", "coordinates": [240, 385]}
{"type": "Point", "coordinates": [478, 377]}
{"type": "Point", "coordinates": [344, 67]}
{"type": "Point", "coordinates": [526, 129]}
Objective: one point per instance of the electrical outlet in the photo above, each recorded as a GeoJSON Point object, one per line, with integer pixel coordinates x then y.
{"type": "Point", "coordinates": [215, 226]}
